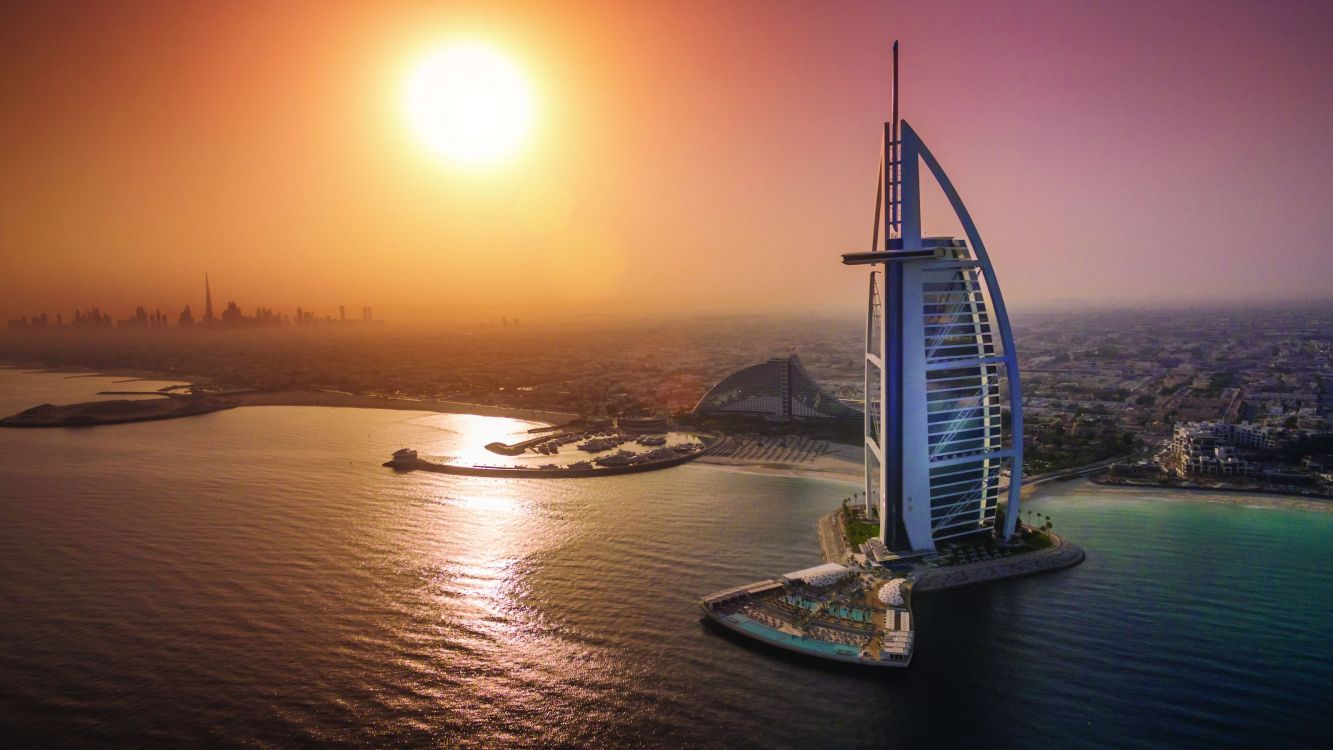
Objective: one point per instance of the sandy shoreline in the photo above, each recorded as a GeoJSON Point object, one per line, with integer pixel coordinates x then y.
{"type": "Point", "coordinates": [823, 467]}
{"type": "Point", "coordinates": [832, 461]}
{"type": "Point", "coordinates": [1227, 497]}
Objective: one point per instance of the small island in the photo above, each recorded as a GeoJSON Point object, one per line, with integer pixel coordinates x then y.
{"type": "Point", "coordinates": [118, 411]}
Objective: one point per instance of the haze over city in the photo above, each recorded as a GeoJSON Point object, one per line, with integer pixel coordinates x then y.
{"type": "Point", "coordinates": [550, 375]}
{"type": "Point", "coordinates": [679, 157]}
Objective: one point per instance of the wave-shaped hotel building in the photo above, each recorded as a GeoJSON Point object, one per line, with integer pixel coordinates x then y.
{"type": "Point", "coordinates": [943, 409]}
{"type": "Point", "coordinates": [779, 389]}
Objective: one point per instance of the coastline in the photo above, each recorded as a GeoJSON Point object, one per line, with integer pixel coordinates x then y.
{"type": "Point", "coordinates": [1270, 499]}
{"type": "Point", "coordinates": [1063, 554]}
{"type": "Point", "coordinates": [845, 463]}
{"type": "Point", "coordinates": [308, 397]}
{"type": "Point", "coordinates": [842, 466]}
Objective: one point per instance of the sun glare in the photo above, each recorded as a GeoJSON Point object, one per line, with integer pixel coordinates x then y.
{"type": "Point", "coordinates": [470, 104]}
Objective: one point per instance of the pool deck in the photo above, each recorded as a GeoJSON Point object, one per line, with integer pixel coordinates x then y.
{"type": "Point", "coordinates": [891, 637]}
{"type": "Point", "coordinates": [888, 637]}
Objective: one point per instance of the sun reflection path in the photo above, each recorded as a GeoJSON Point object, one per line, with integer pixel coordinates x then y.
{"type": "Point", "coordinates": [464, 437]}
{"type": "Point", "coordinates": [487, 611]}
{"type": "Point", "coordinates": [488, 539]}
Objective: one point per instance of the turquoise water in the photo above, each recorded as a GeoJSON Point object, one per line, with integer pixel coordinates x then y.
{"type": "Point", "coordinates": [254, 576]}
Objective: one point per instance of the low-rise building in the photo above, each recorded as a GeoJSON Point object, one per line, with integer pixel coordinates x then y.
{"type": "Point", "coordinates": [1207, 448]}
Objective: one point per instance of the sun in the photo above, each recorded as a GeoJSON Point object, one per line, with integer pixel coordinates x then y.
{"type": "Point", "coordinates": [469, 103]}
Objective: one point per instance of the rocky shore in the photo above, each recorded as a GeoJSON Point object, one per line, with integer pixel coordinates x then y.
{"type": "Point", "coordinates": [1061, 554]}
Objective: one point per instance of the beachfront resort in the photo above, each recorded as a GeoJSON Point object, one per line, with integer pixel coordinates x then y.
{"type": "Point", "coordinates": [942, 436]}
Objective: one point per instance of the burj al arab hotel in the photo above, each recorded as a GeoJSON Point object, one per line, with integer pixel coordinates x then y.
{"type": "Point", "coordinates": [944, 412]}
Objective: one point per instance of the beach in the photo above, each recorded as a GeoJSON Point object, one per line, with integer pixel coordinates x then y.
{"type": "Point", "coordinates": [1248, 498]}
{"type": "Point", "coordinates": [838, 462]}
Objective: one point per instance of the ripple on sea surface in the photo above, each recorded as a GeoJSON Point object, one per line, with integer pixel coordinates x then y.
{"type": "Point", "coordinates": [254, 576]}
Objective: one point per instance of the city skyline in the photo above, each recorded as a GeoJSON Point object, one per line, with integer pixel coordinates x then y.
{"type": "Point", "coordinates": [94, 317]}
{"type": "Point", "coordinates": [287, 165]}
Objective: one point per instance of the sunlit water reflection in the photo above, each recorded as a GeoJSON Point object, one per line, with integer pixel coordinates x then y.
{"type": "Point", "coordinates": [255, 576]}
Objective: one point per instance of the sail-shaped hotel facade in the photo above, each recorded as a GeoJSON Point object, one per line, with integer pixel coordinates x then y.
{"type": "Point", "coordinates": [943, 447]}
{"type": "Point", "coordinates": [944, 415]}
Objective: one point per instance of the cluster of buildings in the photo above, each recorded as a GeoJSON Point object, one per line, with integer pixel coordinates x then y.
{"type": "Point", "coordinates": [1093, 379]}
{"type": "Point", "coordinates": [1285, 456]}
{"type": "Point", "coordinates": [1212, 447]}
{"type": "Point", "coordinates": [91, 319]}
{"type": "Point", "coordinates": [232, 316]}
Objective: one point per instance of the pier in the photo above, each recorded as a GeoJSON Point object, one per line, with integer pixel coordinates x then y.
{"type": "Point", "coordinates": [566, 472]}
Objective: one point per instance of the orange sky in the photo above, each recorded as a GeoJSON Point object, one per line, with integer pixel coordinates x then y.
{"type": "Point", "coordinates": [692, 156]}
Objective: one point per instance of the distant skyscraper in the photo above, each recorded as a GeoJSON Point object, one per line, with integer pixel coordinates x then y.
{"type": "Point", "coordinates": [342, 313]}
{"type": "Point", "coordinates": [208, 302]}
{"type": "Point", "coordinates": [938, 349]}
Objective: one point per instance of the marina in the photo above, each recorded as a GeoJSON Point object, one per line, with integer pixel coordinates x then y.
{"type": "Point", "coordinates": [622, 462]}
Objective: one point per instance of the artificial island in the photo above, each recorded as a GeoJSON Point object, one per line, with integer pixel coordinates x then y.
{"type": "Point", "coordinates": [660, 448]}
{"type": "Point", "coordinates": [942, 436]}
{"type": "Point", "coordinates": [148, 406]}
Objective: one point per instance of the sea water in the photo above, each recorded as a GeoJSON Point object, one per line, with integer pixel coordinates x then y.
{"type": "Point", "coordinates": [255, 576]}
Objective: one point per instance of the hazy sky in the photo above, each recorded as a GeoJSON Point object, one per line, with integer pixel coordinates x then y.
{"type": "Point", "coordinates": [696, 156]}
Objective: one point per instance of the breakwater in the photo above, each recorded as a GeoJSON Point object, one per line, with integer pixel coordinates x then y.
{"type": "Point", "coordinates": [1061, 554]}
{"type": "Point", "coordinates": [519, 472]}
